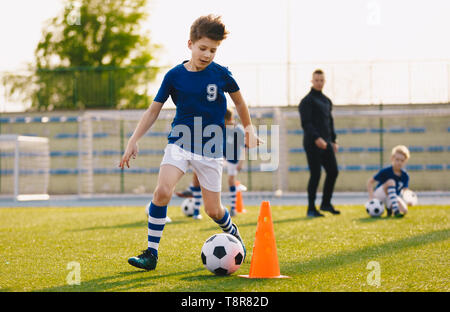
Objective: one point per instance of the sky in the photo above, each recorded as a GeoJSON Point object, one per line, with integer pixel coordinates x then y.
{"type": "Point", "coordinates": [265, 35]}
{"type": "Point", "coordinates": [324, 30]}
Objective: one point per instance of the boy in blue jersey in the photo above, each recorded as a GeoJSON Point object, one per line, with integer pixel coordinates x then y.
{"type": "Point", "coordinates": [392, 181]}
{"type": "Point", "coordinates": [197, 88]}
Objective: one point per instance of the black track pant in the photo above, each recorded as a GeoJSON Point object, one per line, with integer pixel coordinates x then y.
{"type": "Point", "coordinates": [316, 159]}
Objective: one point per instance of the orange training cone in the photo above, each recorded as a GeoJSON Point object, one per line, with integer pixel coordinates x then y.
{"type": "Point", "coordinates": [239, 202]}
{"type": "Point", "coordinates": [264, 262]}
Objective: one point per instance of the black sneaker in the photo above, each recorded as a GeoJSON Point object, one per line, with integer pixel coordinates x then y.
{"type": "Point", "coordinates": [238, 236]}
{"type": "Point", "coordinates": [330, 208]}
{"type": "Point", "coordinates": [389, 212]}
{"type": "Point", "coordinates": [313, 213]}
{"type": "Point", "coordinates": [398, 214]}
{"type": "Point", "coordinates": [185, 194]}
{"type": "Point", "coordinates": [146, 261]}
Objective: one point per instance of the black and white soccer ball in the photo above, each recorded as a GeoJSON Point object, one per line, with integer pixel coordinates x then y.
{"type": "Point", "coordinates": [187, 206]}
{"type": "Point", "coordinates": [409, 197]}
{"type": "Point", "coordinates": [374, 207]}
{"type": "Point", "coordinates": [222, 254]}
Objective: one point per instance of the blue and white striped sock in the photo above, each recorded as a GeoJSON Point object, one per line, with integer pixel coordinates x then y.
{"type": "Point", "coordinates": [233, 197]}
{"type": "Point", "coordinates": [392, 198]}
{"type": "Point", "coordinates": [226, 224]}
{"type": "Point", "coordinates": [197, 192]}
{"type": "Point", "coordinates": [156, 221]}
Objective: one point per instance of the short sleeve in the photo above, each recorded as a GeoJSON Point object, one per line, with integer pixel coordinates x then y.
{"type": "Point", "coordinates": [380, 176]}
{"type": "Point", "coordinates": [406, 182]}
{"type": "Point", "coordinates": [230, 84]}
{"type": "Point", "coordinates": [164, 90]}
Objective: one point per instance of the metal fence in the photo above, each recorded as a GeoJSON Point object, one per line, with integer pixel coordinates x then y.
{"type": "Point", "coordinates": [85, 148]}
{"type": "Point", "coordinates": [79, 88]}
{"type": "Point", "coordinates": [263, 85]}
{"type": "Point", "coordinates": [347, 83]}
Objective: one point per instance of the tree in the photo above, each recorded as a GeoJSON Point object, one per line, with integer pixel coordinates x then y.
{"type": "Point", "coordinates": [94, 54]}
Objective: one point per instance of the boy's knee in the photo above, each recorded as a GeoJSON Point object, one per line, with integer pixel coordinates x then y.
{"type": "Point", "coordinates": [162, 194]}
{"type": "Point", "coordinates": [214, 213]}
{"type": "Point", "coordinates": [389, 183]}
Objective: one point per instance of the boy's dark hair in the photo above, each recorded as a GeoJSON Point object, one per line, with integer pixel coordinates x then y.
{"type": "Point", "coordinates": [228, 114]}
{"type": "Point", "coordinates": [318, 71]}
{"type": "Point", "coordinates": [209, 26]}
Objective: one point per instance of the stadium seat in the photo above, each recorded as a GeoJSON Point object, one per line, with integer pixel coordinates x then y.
{"type": "Point", "coordinates": [417, 130]}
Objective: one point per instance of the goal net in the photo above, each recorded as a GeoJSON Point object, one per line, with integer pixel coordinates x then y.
{"type": "Point", "coordinates": [102, 139]}
{"type": "Point", "coordinates": [24, 167]}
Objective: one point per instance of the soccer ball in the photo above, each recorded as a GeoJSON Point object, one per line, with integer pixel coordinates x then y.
{"type": "Point", "coordinates": [241, 188]}
{"type": "Point", "coordinates": [374, 208]}
{"type": "Point", "coordinates": [222, 254]}
{"type": "Point", "coordinates": [409, 197]}
{"type": "Point", "coordinates": [187, 206]}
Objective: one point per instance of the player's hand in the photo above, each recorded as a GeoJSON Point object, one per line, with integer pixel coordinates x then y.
{"type": "Point", "coordinates": [335, 147]}
{"type": "Point", "coordinates": [251, 139]}
{"type": "Point", "coordinates": [131, 152]}
{"type": "Point", "coordinates": [320, 143]}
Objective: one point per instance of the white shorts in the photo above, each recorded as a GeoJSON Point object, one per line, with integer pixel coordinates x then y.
{"type": "Point", "coordinates": [231, 168]}
{"type": "Point", "coordinates": [382, 196]}
{"type": "Point", "coordinates": [208, 170]}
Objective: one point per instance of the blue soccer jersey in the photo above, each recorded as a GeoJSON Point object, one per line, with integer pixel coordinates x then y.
{"type": "Point", "coordinates": [388, 173]}
{"type": "Point", "coordinates": [235, 143]}
{"type": "Point", "coordinates": [200, 102]}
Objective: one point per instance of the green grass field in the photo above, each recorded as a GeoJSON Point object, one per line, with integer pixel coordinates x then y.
{"type": "Point", "coordinates": [327, 254]}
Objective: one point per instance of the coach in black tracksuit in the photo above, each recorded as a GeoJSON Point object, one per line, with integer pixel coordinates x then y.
{"type": "Point", "coordinates": [320, 145]}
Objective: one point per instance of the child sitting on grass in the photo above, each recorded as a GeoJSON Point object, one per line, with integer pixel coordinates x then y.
{"type": "Point", "coordinates": [392, 181]}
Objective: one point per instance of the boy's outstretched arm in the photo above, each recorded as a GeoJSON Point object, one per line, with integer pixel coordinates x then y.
{"type": "Point", "coordinates": [370, 184]}
{"type": "Point", "coordinates": [251, 140]}
{"type": "Point", "coordinates": [145, 123]}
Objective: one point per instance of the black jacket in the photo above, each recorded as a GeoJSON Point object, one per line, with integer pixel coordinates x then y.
{"type": "Point", "coordinates": [316, 119]}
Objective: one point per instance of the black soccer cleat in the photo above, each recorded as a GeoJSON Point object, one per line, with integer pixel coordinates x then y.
{"type": "Point", "coordinates": [185, 194]}
{"type": "Point", "coordinates": [313, 213]}
{"type": "Point", "coordinates": [389, 212]}
{"type": "Point", "coordinates": [238, 236]}
{"type": "Point", "coordinates": [330, 208]}
{"type": "Point", "coordinates": [398, 214]}
{"type": "Point", "coordinates": [146, 261]}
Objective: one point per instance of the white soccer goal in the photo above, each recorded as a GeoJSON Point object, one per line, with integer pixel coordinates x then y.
{"type": "Point", "coordinates": [102, 138]}
{"type": "Point", "coordinates": [25, 167]}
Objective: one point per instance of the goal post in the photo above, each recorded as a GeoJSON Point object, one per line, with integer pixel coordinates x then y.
{"type": "Point", "coordinates": [24, 167]}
